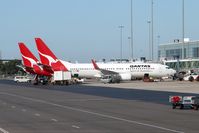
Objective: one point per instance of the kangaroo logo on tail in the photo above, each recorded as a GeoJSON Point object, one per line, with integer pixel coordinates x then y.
{"type": "Point", "coordinates": [47, 57]}
{"type": "Point", "coordinates": [28, 58]}
{"type": "Point", "coordinates": [50, 59]}
{"type": "Point", "coordinates": [32, 62]}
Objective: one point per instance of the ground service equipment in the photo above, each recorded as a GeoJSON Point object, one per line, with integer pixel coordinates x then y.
{"type": "Point", "coordinates": [61, 77]}
{"type": "Point", "coordinates": [184, 101]}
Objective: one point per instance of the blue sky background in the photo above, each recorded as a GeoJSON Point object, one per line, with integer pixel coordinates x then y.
{"type": "Point", "coordinates": [79, 30]}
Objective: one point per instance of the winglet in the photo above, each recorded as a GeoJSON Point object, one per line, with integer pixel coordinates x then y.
{"type": "Point", "coordinates": [95, 65]}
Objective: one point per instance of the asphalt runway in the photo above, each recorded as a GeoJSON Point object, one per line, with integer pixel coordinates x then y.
{"type": "Point", "coordinates": [25, 108]}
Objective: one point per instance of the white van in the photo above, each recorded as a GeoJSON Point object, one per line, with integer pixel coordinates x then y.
{"type": "Point", "coordinates": [22, 79]}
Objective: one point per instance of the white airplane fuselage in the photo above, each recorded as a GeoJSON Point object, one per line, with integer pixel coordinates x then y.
{"type": "Point", "coordinates": [138, 70]}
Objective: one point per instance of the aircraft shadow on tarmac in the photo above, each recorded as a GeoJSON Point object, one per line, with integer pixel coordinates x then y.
{"type": "Point", "coordinates": [159, 97]}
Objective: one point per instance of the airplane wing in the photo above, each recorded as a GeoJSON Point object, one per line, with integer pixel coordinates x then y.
{"type": "Point", "coordinates": [103, 71]}
{"type": "Point", "coordinates": [26, 69]}
{"type": "Point", "coordinates": [22, 67]}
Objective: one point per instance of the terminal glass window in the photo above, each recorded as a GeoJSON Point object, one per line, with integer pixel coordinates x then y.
{"type": "Point", "coordinates": [196, 64]}
{"type": "Point", "coordinates": [182, 65]}
{"type": "Point", "coordinates": [159, 53]}
{"type": "Point", "coordinates": [173, 52]}
{"type": "Point", "coordinates": [185, 53]}
{"type": "Point", "coordinates": [196, 52]}
{"type": "Point", "coordinates": [172, 65]}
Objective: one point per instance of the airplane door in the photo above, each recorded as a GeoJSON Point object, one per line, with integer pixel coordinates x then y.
{"type": "Point", "coordinates": [131, 69]}
{"type": "Point", "coordinates": [160, 70]}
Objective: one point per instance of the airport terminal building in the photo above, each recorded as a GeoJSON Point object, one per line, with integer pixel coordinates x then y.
{"type": "Point", "coordinates": [169, 53]}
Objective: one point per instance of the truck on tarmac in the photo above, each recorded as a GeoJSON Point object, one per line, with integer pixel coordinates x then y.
{"type": "Point", "coordinates": [61, 77]}
{"type": "Point", "coordinates": [184, 101]}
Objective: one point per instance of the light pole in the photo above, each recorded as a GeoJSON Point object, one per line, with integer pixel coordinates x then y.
{"type": "Point", "coordinates": [129, 38]}
{"type": "Point", "coordinates": [152, 28]}
{"type": "Point", "coordinates": [182, 29]}
{"type": "Point", "coordinates": [121, 26]}
{"type": "Point", "coordinates": [149, 22]}
{"type": "Point", "coordinates": [131, 30]}
{"type": "Point", "coordinates": [158, 43]}
{"type": "Point", "coordinates": [158, 39]}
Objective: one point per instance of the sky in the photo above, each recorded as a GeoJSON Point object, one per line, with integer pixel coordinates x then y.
{"type": "Point", "coordinates": [81, 30]}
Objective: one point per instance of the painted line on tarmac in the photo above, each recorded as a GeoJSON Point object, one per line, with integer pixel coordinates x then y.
{"type": "Point", "coordinates": [13, 107]}
{"type": "Point", "coordinates": [24, 110]}
{"type": "Point", "coordinates": [85, 100]}
{"type": "Point", "coordinates": [74, 126]}
{"type": "Point", "coordinates": [3, 130]}
{"type": "Point", "coordinates": [93, 113]}
{"type": "Point", "coordinates": [55, 120]}
{"type": "Point", "coordinates": [37, 114]}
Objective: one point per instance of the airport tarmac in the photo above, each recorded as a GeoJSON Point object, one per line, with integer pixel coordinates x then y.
{"type": "Point", "coordinates": [168, 86]}
{"type": "Point", "coordinates": [25, 108]}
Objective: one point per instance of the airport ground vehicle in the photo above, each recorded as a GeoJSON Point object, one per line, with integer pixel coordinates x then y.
{"type": "Point", "coordinates": [77, 80]}
{"type": "Point", "coordinates": [22, 79]}
{"type": "Point", "coordinates": [191, 77]}
{"type": "Point", "coordinates": [184, 101]}
{"type": "Point", "coordinates": [61, 77]}
{"type": "Point", "coordinates": [39, 79]}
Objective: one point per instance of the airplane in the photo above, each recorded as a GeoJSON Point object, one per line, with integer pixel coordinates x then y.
{"type": "Point", "coordinates": [121, 71]}
{"type": "Point", "coordinates": [126, 71]}
{"type": "Point", "coordinates": [31, 63]}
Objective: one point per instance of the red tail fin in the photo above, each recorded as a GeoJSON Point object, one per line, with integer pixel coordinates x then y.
{"type": "Point", "coordinates": [47, 57]}
{"type": "Point", "coordinates": [28, 58]}
{"type": "Point", "coordinates": [31, 62]}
